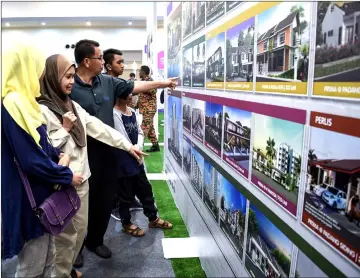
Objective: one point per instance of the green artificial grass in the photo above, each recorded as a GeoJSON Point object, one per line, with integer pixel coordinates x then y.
{"type": "Point", "coordinates": [161, 129]}
{"type": "Point", "coordinates": [155, 161]}
{"type": "Point", "coordinates": [187, 267]}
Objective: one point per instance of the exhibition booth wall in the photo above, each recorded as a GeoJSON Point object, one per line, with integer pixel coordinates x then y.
{"type": "Point", "coordinates": [262, 141]}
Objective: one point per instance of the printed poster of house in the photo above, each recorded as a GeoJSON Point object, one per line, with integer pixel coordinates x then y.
{"type": "Point", "coordinates": [337, 53]}
{"type": "Point", "coordinates": [215, 59]}
{"type": "Point", "coordinates": [268, 250]}
{"type": "Point", "coordinates": [174, 39]}
{"type": "Point", "coordinates": [332, 193]}
{"type": "Point", "coordinates": [283, 41]}
{"type": "Point", "coordinates": [240, 56]}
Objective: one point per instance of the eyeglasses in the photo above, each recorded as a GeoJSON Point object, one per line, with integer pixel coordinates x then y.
{"type": "Point", "coordinates": [97, 58]}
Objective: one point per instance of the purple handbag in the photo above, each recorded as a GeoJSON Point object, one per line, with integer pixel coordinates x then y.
{"type": "Point", "coordinates": [56, 212]}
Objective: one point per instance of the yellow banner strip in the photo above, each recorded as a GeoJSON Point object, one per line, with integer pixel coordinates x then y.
{"type": "Point", "coordinates": [251, 12]}
{"type": "Point", "coordinates": [337, 89]}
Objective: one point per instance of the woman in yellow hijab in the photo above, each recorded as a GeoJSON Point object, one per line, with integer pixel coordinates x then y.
{"type": "Point", "coordinates": [23, 137]}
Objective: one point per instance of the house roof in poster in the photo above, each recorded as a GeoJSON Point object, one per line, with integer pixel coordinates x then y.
{"type": "Point", "coordinates": [348, 166]}
{"type": "Point", "coordinates": [281, 25]}
{"type": "Point", "coordinates": [349, 7]}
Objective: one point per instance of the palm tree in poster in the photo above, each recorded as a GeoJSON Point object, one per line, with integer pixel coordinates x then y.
{"type": "Point", "coordinates": [270, 152]}
{"type": "Point", "coordinates": [311, 157]}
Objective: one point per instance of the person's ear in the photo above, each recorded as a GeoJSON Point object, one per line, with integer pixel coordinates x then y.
{"type": "Point", "coordinates": [87, 62]}
{"type": "Point", "coordinates": [108, 66]}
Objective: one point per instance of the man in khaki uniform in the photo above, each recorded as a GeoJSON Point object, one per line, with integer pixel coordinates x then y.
{"type": "Point", "coordinates": [147, 107]}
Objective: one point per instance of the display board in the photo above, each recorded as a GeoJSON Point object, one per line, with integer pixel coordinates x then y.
{"type": "Point", "coordinates": [270, 155]}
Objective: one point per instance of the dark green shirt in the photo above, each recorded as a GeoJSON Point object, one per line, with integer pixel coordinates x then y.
{"type": "Point", "coordinates": [99, 98]}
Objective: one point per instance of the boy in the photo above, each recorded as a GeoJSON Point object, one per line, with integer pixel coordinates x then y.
{"type": "Point", "coordinates": [131, 175]}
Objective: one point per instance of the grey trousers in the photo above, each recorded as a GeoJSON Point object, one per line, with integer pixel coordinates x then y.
{"type": "Point", "coordinates": [37, 258]}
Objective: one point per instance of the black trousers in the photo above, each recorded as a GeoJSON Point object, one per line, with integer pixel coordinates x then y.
{"type": "Point", "coordinates": [128, 188]}
{"type": "Point", "coordinates": [103, 187]}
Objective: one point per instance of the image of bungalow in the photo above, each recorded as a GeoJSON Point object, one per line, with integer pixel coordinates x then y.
{"type": "Point", "coordinates": [340, 25]}
{"type": "Point", "coordinates": [337, 55]}
{"type": "Point", "coordinates": [187, 117]}
{"type": "Point", "coordinates": [198, 15]}
{"type": "Point", "coordinates": [237, 141]}
{"type": "Point", "coordinates": [175, 131]}
{"type": "Point", "coordinates": [278, 49]}
{"type": "Point", "coordinates": [197, 171]}
{"type": "Point", "coordinates": [211, 187]}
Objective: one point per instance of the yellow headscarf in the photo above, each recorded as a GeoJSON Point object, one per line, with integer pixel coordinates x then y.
{"type": "Point", "coordinates": [22, 67]}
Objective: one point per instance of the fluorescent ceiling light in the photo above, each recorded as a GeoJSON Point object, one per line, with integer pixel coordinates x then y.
{"type": "Point", "coordinates": [88, 23]}
{"type": "Point", "coordinates": [130, 23]}
{"type": "Point", "coordinates": [7, 24]}
{"type": "Point", "coordinates": [43, 23]}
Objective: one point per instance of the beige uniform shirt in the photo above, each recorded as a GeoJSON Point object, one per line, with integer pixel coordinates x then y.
{"type": "Point", "coordinates": [93, 127]}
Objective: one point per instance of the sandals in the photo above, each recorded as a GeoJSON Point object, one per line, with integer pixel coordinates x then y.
{"type": "Point", "coordinates": [163, 225]}
{"type": "Point", "coordinates": [136, 232]}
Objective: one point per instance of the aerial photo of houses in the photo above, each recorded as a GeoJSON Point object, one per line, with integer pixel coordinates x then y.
{"type": "Point", "coordinates": [276, 160]}
{"type": "Point", "coordinates": [213, 126]}
{"type": "Point", "coordinates": [233, 215]}
{"type": "Point", "coordinates": [337, 54]}
{"type": "Point", "coordinates": [237, 132]}
{"type": "Point", "coordinates": [333, 184]}
{"type": "Point", "coordinates": [197, 171]}
{"type": "Point", "coordinates": [187, 65]}
{"type": "Point", "coordinates": [215, 55]}
{"type": "Point", "coordinates": [283, 43]}
{"type": "Point", "coordinates": [240, 52]}
{"type": "Point", "coordinates": [186, 104]}
{"type": "Point", "coordinates": [175, 137]}
{"type": "Point", "coordinates": [268, 250]}
{"type": "Point", "coordinates": [198, 119]}
{"type": "Point", "coordinates": [214, 10]}
{"type": "Point", "coordinates": [198, 65]}
{"type": "Point", "coordinates": [187, 156]}
{"type": "Point", "coordinates": [174, 43]}
{"type": "Point", "coordinates": [212, 189]}
{"type": "Point", "coordinates": [198, 13]}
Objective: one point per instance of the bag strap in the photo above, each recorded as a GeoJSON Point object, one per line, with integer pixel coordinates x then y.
{"type": "Point", "coordinates": [26, 184]}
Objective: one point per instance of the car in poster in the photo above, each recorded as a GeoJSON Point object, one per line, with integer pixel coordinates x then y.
{"type": "Point", "coordinates": [319, 189]}
{"type": "Point", "coordinates": [334, 198]}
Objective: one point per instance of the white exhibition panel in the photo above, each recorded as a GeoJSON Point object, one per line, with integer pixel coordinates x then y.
{"type": "Point", "coordinates": [347, 107]}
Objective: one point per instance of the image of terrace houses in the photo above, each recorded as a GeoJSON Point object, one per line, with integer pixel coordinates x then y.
{"type": "Point", "coordinates": [215, 65]}
{"type": "Point", "coordinates": [240, 65]}
{"type": "Point", "coordinates": [278, 49]}
{"type": "Point", "coordinates": [186, 71]}
{"type": "Point", "coordinates": [236, 140]}
{"type": "Point", "coordinates": [340, 25]}
{"type": "Point", "coordinates": [197, 178]}
{"type": "Point", "coordinates": [260, 255]}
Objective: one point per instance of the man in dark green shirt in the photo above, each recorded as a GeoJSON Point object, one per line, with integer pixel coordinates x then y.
{"type": "Point", "coordinates": [97, 94]}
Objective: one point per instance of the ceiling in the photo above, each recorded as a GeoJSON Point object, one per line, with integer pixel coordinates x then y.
{"type": "Point", "coordinates": [80, 22]}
